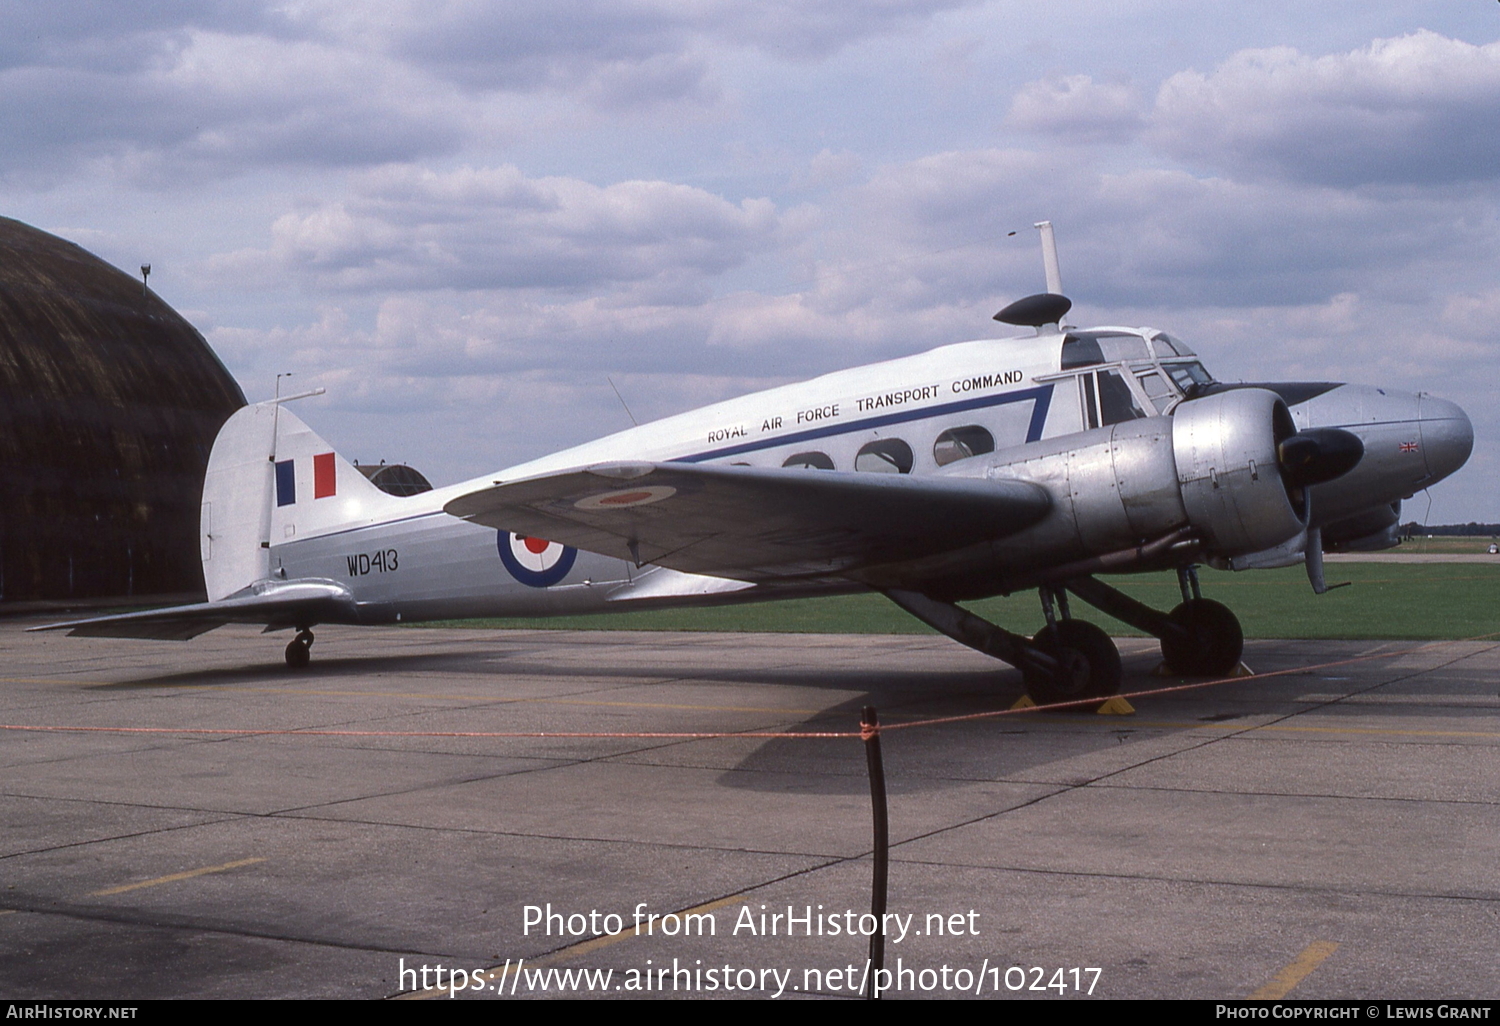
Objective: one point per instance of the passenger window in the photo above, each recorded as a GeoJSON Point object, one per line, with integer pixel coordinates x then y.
{"type": "Point", "coordinates": [885, 456]}
{"type": "Point", "coordinates": [962, 442]}
{"type": "Point", "coordinates": [809, 461]}
{"type": "Point", "coordinates": [1116, 402]}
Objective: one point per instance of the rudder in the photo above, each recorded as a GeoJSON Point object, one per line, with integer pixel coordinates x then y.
{"type": "Point", "coordinates": [271, 480]}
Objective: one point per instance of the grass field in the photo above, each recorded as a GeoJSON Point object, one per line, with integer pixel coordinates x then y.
{"type": "Point", "coordinates": [1384, 600]}
{"type": "Point", "coordinates": [1448, 543]}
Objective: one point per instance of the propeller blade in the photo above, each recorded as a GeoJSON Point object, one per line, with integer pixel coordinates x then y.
{"type": "Point", "coordinates": [1317, 455]}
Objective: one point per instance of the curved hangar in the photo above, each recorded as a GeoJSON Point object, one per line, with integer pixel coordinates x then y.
{"type": "Point", "coordinates": [109, 403]}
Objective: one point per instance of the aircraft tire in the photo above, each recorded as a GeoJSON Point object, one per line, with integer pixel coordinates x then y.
{"type": "Point", "coordinates": [1214, 643]}
{"type": "Point", "coordinates": [298, 653]}
{"type": "Point", "coordinates": [1091, 655]}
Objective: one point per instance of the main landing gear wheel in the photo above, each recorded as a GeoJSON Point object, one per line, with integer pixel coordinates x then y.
{"type": "Point", "coordinates": [1090, 664]}
{"type": "Point", "coordinates": [299, 650]}
{"type": "Point", "coordinates": [1212, 643]}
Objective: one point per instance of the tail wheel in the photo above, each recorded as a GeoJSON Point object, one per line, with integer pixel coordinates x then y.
{"type": "Point", "coordinates": [1090, 664]}
{"type": "Point", "coordinates": [1210, 643]}
{"type": "Point", "coordinates": [299, 650]}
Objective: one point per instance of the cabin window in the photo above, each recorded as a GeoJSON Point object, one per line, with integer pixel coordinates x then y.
{"type": "Point", "coordinates": [809, 461]}
{"type": "Point", "coordinates": [960, 443]}
{"type": "Point", "coordinates": [885, 456]}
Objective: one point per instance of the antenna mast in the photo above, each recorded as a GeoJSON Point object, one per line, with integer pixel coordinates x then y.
{"type": "Point", "coordinates": [1049, 257]}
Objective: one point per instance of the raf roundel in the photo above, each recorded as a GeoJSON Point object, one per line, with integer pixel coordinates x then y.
{"type": "Point", "coordinates": [627, 497]}
{"type": "Point", "coordinates": [535, 561]}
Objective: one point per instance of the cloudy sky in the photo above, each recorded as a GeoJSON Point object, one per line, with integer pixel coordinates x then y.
{"type": "Point", "coordinates": [465, 218]}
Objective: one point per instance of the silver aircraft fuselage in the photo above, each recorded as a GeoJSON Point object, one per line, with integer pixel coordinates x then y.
{"type": "Point", "coordinates": [1089, 415]}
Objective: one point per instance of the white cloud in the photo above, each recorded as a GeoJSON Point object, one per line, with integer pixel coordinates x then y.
{"type": "Point", "coordinates": [532, 42]}
{"type": "Point", "coordinates": [406, 227]}
{"type": "Point", "coordinates": [1077, 108]}
{"type": "Point", "coordinates": [1418, 109]}
{"type": "Point", "coordinates": [1134, 238]}
{"type": "Point", "coordinates": [214, 103]}
{"type": "Point", "coordinates": [184, 89]}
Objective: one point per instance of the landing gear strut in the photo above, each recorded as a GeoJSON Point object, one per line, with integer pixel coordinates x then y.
{"type": "Point", "coordinates": [299, 649]}
{"type": "Point", "coordinates": [1200, 637]}
{"type": "Point", "coordinates": [1067, 660]}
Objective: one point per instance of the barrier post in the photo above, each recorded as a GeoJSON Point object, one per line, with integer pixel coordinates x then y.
{"type": "Point", "coordinates": [869, 730]}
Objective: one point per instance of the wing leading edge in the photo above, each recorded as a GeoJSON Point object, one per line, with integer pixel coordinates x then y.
{"type": "Point", "coordinates": [755, 523]}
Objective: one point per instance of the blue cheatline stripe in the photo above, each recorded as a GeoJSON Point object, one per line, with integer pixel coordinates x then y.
{"type": "Point", "coordinates": [286, 482]}
{"type": "Point", "coordinates": [1041, 393]}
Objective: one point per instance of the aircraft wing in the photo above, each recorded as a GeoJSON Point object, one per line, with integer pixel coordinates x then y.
{"type": "Point", "coordinates": [284, 605]}
{"type": "Point", "coordinates": [754, 523]}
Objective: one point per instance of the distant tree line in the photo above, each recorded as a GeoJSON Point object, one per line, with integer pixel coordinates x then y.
{"type": "Point", "coordinates": [1469, 530]}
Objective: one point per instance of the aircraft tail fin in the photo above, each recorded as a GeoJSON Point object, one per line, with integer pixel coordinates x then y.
{"type": "Point", "coordinates": [272, 480]}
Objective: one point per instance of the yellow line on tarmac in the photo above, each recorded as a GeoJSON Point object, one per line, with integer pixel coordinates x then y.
{"type": "Point", "coordinates": [571, 951]}
{"type": "Point", "coordinates": [174, 877]}
{"type": "Point", "coordinates": [1281, 985]}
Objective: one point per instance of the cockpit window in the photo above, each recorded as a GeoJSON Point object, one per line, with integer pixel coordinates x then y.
{"type": "Point", "coordinates": [1087, 349]}
{"type": "Point", "coordinates": [1170, 345]}
{"type": "Point", "coordinates": [809, 461]}
{"type": "Point", "coordinates": [1154, 386]}
{"type": "Point", "coordinates": [1111, 392]}
{"type": "Point", "coordinates": [960, 443]}
{"type": "Point", "coordinates": [1080, 352]}
{"type": "Point", "coordinates": [885, 456]}
{"type": "Point", "coordinates": [1123, 347]}
{"type": "Point", "coordinates": [1116, 402]}
{"type": "Point", "coordinates": [1189, 377]}
{"type": "Point", "coordinates": [1157, 390]}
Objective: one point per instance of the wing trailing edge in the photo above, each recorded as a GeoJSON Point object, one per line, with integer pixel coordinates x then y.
{"type": "Point", "coordinates": [274, 604]}
{"type": "Point", "coordinates": [755, 523]}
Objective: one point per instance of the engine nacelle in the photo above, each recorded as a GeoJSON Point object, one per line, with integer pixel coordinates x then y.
{"type": "Point", "coordinates": [1214, 466]}
{"type": "Point", "coordinates": [1229, 471]}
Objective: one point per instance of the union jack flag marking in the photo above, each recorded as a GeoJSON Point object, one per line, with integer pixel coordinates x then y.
{"type": "Point", "coordinates": [1408, 446]}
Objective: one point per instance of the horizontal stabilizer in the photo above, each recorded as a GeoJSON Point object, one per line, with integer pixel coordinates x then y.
{"type": "Point", "coordinates": [755, 523]}
{"type": "Point", "coordinates": [287, 604]}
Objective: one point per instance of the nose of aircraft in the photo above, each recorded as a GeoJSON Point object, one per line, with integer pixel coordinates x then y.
{"type": "Point", "coordinates": [1447, 436]}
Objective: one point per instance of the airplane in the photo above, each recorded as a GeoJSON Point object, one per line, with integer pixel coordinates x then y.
{"type": "Point", "coordinates": [1049, 461]}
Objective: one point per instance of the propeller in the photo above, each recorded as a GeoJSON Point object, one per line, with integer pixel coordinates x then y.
{"type": "Point", "coordinates": [1317, 455]}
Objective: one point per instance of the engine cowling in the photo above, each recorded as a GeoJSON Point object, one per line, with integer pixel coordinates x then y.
{"type": "Point", "coordinates": [1228, 453]}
